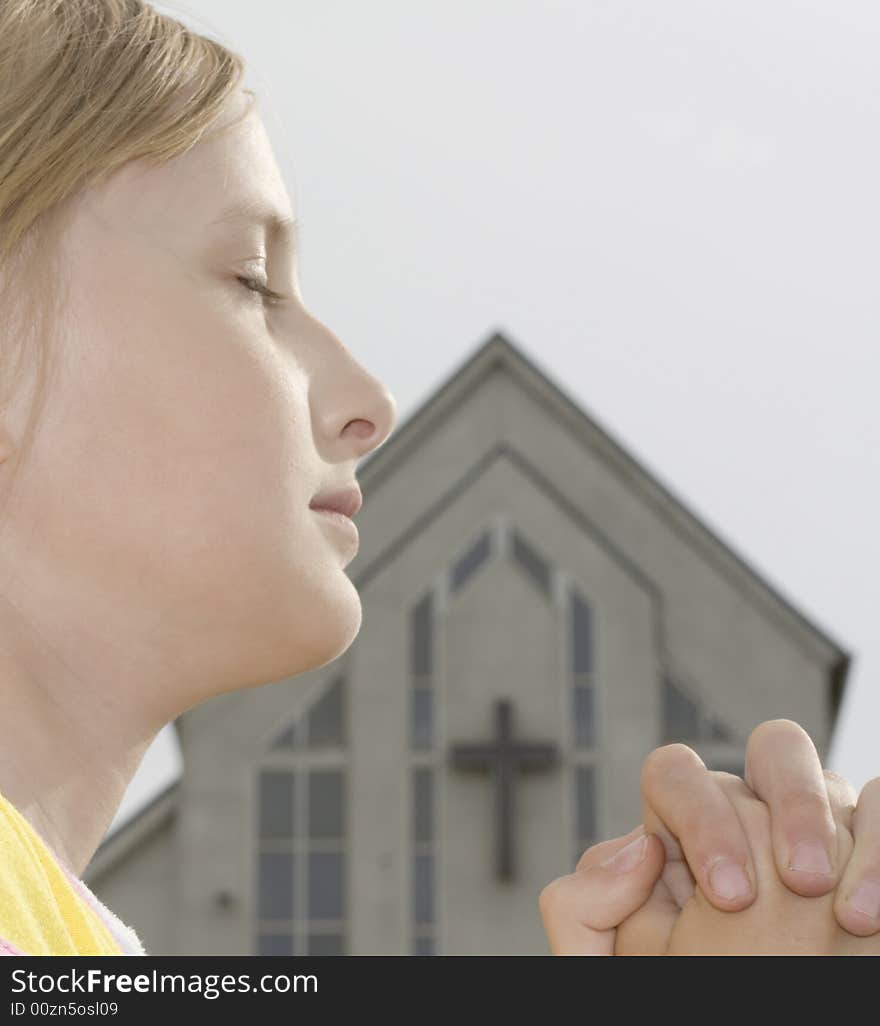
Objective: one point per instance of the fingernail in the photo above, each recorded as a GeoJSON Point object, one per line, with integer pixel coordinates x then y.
{"type": "Point", "coordinates": [729, 880]}
{"type": "Point", "coordinates": [810, 857]}
{"type": "Point", "coordinates": [866, 898]}
{"type": "Point", "coordinates": [629, 856]}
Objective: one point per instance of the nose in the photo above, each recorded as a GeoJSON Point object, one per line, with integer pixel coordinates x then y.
{"type": "Point", "coordinates": [372, 427]}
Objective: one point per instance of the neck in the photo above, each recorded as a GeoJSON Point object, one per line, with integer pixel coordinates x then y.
{"type": "Point", "coordinates": [70, 739]}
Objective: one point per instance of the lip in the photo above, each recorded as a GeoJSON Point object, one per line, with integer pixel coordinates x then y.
{"type": "Point", "coordinates": [340, 521]}
{"type": "Point", "coordinates": [347, 501]}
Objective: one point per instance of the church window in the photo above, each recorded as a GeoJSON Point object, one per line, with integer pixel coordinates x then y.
{"type": "Point", "coordinates": [535, 566]}
{"type": "Point", "coordinates": [686, 720]}
{"type": "Point", "coordinates": [326, 944]}
{"type": "Point", "coordinates": [275, 944]}
{"type": "Point", "coordinates": [584, 734]}
{"type": "Point", "coordinates": [422, 801]}
{"type": "Point", "coordinates": [423, 859]}
{"type": "Point", "coordinates": [583, 692]}
{"type": "Point", "coordinates": [326, 721]}
{"type": "Point", "coordinates": [423, 897]}
{"type": "Point", "coordinates": [470, 562]}
{"type": "Point", "coordinates": [681, 715]}
{"type": "Point", "coordinates": [276, 804]}
{"type": "Point", "coordinates": [423, 805]}
{"type": "Point", "coordinates": [286, 739]}
{"type": "Point", "coordinates": [326, 805]}
{"type": "Point", "coordinates": [583, 715]}
{"type": "Point", "coordinates": [276, 885]}
{"type": "Point", "coordinates": [421, 654]}
{"type": "Point", "coordinates": [324, 724]}
{"type": "Point", "coordinates": [422, 720]}
{"type": "Point", "coordinates": [581, 634]}
{"type": "Point", "coordinates": [326, 885]}
{"type": "Point", "coordinates": [718, 732]}
{"type": "Point", "coordinates": [302, 829]}
{"type": "Point", "coordinates": [585, 799]}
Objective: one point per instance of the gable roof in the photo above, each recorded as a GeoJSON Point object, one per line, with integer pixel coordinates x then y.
{"type": "Point", "coordinates": [499, 352]}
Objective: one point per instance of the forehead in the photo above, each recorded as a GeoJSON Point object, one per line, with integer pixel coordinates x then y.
{"type": "Point", "coordinates": [228, 179]}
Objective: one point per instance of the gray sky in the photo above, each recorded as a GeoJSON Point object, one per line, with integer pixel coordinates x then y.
{"type": "Point", "coordinates": [671, 207]}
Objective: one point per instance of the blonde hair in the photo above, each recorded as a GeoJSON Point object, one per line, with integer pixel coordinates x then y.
{"type": "Point", "coordinates": [85, 87]}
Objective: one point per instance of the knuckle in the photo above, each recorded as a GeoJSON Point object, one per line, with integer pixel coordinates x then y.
{"type": "Point", "coordinates": [555, 895]}
{"type": "Point", "coordinates": [758, 814]}
{"type": "Point", "coordinates": [696, 830]}
{"type": "Point", "coordinates": [805, 802]}
{"type": "Point", "coordinates": [667, 760]}
{"type": "Point", "coordinates": [806, 809]}
{"type": "Point", "coordinates": [733, 786]}
{"type": "Point", "coordinates": [841, 794]}
{"type": "Point", "coordinates": [743, 799]}
{"type": "Point", "coordinates": [587, 858]}
{"type": "Point", "coordinates": [835, 778]}
{"type": "Point", "coordinates": [755, 821]}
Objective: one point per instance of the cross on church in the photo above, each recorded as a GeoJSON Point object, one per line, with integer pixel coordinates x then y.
{"type": "Point", "coordinates": [503, 757]}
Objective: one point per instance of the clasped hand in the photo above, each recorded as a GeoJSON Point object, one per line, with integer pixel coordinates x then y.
{"type": "Point", "coordinates": [785, 862]}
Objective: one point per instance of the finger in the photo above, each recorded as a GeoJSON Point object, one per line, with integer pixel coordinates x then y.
{"type": "Point", "coordinates": [783, 769]}
{"type": "Point", "coordinates": [580, 911]}
{"type": "Point", "coordinates": [604, 850]}
{"type": "Point", "coordinates": [685, 807]}
{"type": "Point", "coordinates": [857, 902]}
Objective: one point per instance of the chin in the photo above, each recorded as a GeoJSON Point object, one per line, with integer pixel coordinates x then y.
{"type": "Point", "coordinates": [349, 618]}
{"type": "Point", "coordinates": [333, 623]}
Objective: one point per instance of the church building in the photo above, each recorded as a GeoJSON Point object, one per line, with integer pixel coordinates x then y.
{"type": "Point", "coordinates": [539, 613]}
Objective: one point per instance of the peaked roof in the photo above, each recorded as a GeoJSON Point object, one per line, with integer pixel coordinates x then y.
{"type": "Point", "coordinates": [497, 351]}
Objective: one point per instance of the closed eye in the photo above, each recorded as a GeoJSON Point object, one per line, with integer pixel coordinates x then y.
{"type": "Point", "coordinates": [259, 287]}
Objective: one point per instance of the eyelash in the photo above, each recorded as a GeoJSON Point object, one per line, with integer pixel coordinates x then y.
{"type": "Point", "coordinates": [273, 298]}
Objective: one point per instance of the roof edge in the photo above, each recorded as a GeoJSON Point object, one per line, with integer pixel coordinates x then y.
{"type": "Point", "coordinates": [498, 346]}
{"type": "Point", "coordinates": [132, 832]}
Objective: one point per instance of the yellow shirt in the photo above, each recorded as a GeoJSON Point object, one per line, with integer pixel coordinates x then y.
{"type": "Point", "coordinates": [44, 908]}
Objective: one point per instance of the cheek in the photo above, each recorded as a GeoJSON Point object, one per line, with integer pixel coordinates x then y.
{"type": "Point", "coordinates": [184, 430]}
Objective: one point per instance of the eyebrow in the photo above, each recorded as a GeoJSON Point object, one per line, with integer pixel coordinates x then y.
{"type": "Point", "coordinates": [277, 225]}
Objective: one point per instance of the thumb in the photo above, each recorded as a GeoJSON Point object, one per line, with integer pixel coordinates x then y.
{"type": "Point", "coordinates": [581, 910]}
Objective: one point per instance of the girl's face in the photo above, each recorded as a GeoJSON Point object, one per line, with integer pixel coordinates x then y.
{"type": "Point", "coordinates": [164, 515]}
